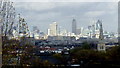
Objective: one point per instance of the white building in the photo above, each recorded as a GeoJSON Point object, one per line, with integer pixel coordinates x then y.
{"type": "Point", "coordinates": [52, 31]}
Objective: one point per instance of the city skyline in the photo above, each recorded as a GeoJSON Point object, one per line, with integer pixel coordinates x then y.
{"type": "Point", "coordinates": [63, 13]}
{"type": "Point", "coordinates": [59, 34]}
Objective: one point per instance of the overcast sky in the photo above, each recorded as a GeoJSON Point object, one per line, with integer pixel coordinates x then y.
{"type": "Point", "coordinates": [41, 14]}
{"type": "Point", "coordinates": [65, 0]}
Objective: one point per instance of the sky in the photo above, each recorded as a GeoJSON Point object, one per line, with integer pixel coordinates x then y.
{"type": "Point", "coordinates": [41, 14]}
{"type": "Point", "coordinates": [65, 0]}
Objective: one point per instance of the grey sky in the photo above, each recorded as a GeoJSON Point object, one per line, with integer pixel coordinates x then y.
{"type": "Point", "coordinates": [65, 0]}
{"type": "Point", "coordinates": [42, 14]}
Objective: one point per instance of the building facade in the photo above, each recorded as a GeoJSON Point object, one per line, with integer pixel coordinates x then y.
{"type": "Point", "coordinates": [53, 29]}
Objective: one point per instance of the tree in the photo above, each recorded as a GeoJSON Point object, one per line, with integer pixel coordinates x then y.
{"type": "Point", "coordinates": [58, 56]}
{"type": "Point", "coordinates": [114, 54]}
{"type": "Point", "coordinates": [86, 45]}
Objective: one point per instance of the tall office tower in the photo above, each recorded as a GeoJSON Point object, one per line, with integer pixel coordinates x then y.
{"type": "Point", "coordinates": [81, 30]}
{"type": "Point", "coordinates": [53, 29]}
{"type": "Point", "coordinates": [36, 32]}
{"type": "Point", "coordinates": [74, 27]}
{"type": "Point", "coordinates": [48, 32]}
{"type": "Point", "coordinates": [97, 27]}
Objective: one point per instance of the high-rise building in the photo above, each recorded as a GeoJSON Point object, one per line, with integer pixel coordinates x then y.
{"type": "Point", "coordinates": [97, 25]}
{"type": "Point", "coordinates": [48, 32]}
{"type": "Point", "coordinates": [82, 29]}
{"type": "Point", "coordinates": [53, 29]}
{"type": "Point", "coordinates": [36, 32]}
{"type": "Point", "coordinates": [74, 27]}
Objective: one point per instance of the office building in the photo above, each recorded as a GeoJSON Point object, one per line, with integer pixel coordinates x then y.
{"type": "Point", "coordinates": [52, 31]}
{"type": "Point", "coordinates": [74, 27]}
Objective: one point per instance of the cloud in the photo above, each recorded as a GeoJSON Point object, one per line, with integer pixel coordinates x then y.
{"type": "Point", "coordinates": [42, 14]}
{"type": "Point", "coordinates": [94, 13]}
{"type": "Point", "coordinates": [34, 6]}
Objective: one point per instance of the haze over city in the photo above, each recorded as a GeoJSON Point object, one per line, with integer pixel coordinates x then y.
{"type": "Point", "coordinates": [41, 14]}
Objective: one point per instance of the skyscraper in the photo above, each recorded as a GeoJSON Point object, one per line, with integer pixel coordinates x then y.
{"type": "Point", "coordinates": [74, 26]}
{"type": "Point", "coordinates": [97, 28]}
{"type": "Point", "coordinates": [53, 29]}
